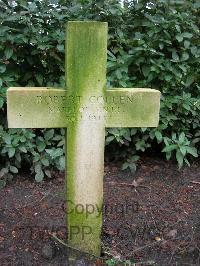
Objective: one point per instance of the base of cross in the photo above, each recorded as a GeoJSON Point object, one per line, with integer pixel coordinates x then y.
{"type": "Point", "coordinates": [85, 108]}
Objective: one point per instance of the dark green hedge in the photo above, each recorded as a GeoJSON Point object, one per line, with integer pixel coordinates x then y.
{"type": "Point", "coordinates": [150, 44]}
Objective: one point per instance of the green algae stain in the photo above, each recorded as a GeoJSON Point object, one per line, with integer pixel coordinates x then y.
{"type": "Point", "coordinates": [86, 49]}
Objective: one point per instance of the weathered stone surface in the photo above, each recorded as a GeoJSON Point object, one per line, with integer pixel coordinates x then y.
{"type": "Point", "coordinates": [132, 107]}
{"type": "Point", "coordinates": [120, 107]}
{"type": "Point", "coordinates": [36, 107]}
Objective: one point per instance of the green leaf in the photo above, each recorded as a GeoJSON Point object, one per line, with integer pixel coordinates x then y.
{"type": "Point", "coordinates": [187, 35]}
{"type": "Point", "coordinates": [183, 150]}
{"type": "Point", "coordinates": [61, 143]}
{"type": "Point", "coordinates": [135, 158]}
{"type": "Point", "coordinates": [179, 37]}
{"type": "Point", "coordinates": [1, 102]}
{"type": "Point", "coordinates": [143, 129]}
{"type": "Point", "coordinates": [192, 151]}
{"type": "Point", "coordinates": [161, 46]}
{"type": "Point", "coordinates": [146, 70]}
{"type": "Point", "coordinates": [2, 68]}
{"type": "Point", "coordinates": [185, 56]}
{"type": "Point", "coordinates": [178, 28]}
{"type": "Point", "coordinates": [3, 172]}
{"type": "Point", "coordinates": [7, 138]}
{"type": "Point", "coordinates": [39, 79]}
{"type": "Point", "coordinates": [62, 162]}
{"type": "Point", "coordinates": [125, 166]}
{"type": "Point", "coordinates": [133, 131]}
{"type": "Point", "coordinates": [179, 157]}
{"type": "Point", "coordinates": [193, 50]}
{"type": "Point", "coordinates": [109, 139]}
{"type": "Point", "coordinates": [170, 148]}
{"type": "Point", "coordinates": [168, 155]}
{"type": "Point", "coordinates": [11, 152]}
{"type": "Point", "coordinates": [57, 137]}
{"type": "Point", "coordinates": [36, 158]}
{"type": "Point", "coordinates": [111, 54]}
{"type": "Point", "coordinates": [18, 157]}
{"type": "Point", "coordinates": [186, 44]}
{"type": "Point", "coordinates": [54, 153]}
{"type": "Point", "coordinates": [196, 5]}
{"type": "Point", "coordinates": [23, 149]}
{"type": "Point", "coordinates": [49, 134]}
{"type": "Point", "coordinates": [32, 6]}
{"type": "Point", "coordinates": [181, 137]}
{"type": "Point", "coordinates": [2, 183]}
{"type": "Point", "coordinates": [187, 162]}
{"type": "Point", "coordinates": [13, 169]}
{"type": "Point", "coordinates": [189, 80]}
{"type": "Point", "coordinates": [187, 107]}
{"type": "Point", "coordinates": [47, 173]}
{"type": "Point", "coordinates": [8, 53]}
{"type": "Point", "coordinates": [133, 167]}
{"type": "Point", "coordinates": [158, 135]}
{"type": "Point", "coordinates": [60, 47]}
{"type": "Point", "coordinates": [58, 152]}
{"type": "Point", "coordinates": [41, 146]}
{"type": "Point", "coordinates": [175, 56]}
{"type": "Point", "coordinates": [118, 74]}
{"type": "Point", "coordinates": [22, 139]}
{"type": "Point", "coordinates": [45, 162]}
{"type": "Point", "coordinates": [38, 167]}
{"type": "Point", "coordinates": [39, 176]}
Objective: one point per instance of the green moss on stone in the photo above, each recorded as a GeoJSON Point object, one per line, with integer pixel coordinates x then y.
{"type": "Point", "coordinates": [86, 75]}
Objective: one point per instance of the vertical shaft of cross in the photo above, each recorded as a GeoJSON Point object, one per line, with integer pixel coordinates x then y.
{"type": "Point", "coordinates": [85, 77]}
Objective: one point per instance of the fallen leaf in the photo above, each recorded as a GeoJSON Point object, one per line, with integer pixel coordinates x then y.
{"type": "Point", "coordinates": [157, 238]}
{"type": "Point", "coordinates": [135, 183]}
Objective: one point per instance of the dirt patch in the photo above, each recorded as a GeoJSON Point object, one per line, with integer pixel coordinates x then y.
{"type": "Point", "coordinates": [152, 217]}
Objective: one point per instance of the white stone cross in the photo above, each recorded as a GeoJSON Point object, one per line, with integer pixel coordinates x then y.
{"type": "Point", "coordinates": [85, 108]}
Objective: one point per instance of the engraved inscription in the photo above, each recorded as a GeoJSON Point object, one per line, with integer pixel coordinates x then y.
{"type": "Point", "coordinates": [94, 108]}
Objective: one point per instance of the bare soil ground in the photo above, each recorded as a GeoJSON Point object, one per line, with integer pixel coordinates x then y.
{"type": "Point", "coordinates": [151, 217]}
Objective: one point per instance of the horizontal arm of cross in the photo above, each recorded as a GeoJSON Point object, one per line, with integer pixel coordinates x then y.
{"type": "Point", "coordinates": [53, 108]}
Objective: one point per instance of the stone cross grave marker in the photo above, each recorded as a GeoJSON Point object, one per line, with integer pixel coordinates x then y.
{"type": "Point", "coordinates": [85, 108]}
